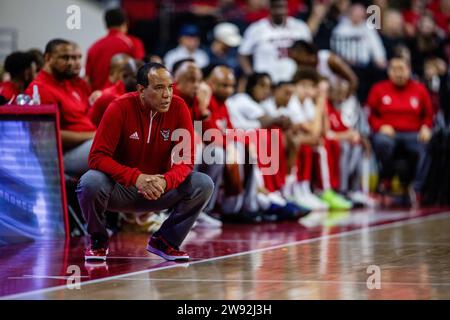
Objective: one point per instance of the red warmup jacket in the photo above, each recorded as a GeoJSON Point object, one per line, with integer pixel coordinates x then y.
{"type": "Point", "coordinates": [100, 54]}
{"type": "Point", "coordinates": [73, 106]}
{"type": "Point", "coordinates": [405, 109]}
{"type": "Point", "coordinates": [9, 90]}
{"type": "Point", "coordinates": [131, 140]}
{"type": "Point", "coordinates": [101, 104]}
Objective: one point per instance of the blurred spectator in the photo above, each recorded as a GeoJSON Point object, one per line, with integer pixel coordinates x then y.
{"type": "Point", "coordinates": [327, 24]}
{"type": "Point", "coordinates": [55, 87]}
{"type": "Point", "coordinates": [122, 75]}
{"type": "Point", "coordinates": [426, 44]}
{"type": "Point", "coordinates": [401, 116]}
{"type": "Point", "coordinates": [117, 41]}
{"type": "Point", "coordinates": [327, 64]}
{"type": "Point", "coordinates": [81, 86]}
{"type": "Point", "coordinates": [361, 47]}
{"type": "Point", "coordinates": [197, 95]}
{"type": "Point", "coordinates": [412, 16]}
{"type": "Point", "coordinates": [358, 44]}
{"type": "Point", "coordinates": [441, 15]}
{"type": "Point", "coordinates": [392, 31]}
{"type": "Point", "coordinates": [188, 47]}
{"type": "Point", "coordinates": [435, 71]}
{"type": "Point", "coordinates": [267, 42]}
{"type": "Point", "coordinates": [223, 48]}
{"type": "Point", "coordinates": [38, 58]}
{"type": "Point", "coordinates": [21, 67]}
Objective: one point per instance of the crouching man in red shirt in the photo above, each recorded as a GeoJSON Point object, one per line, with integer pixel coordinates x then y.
{"type": "Point", "coordinates": [133, 168]}
{"type": "Point", "coordinates": [401, 116]}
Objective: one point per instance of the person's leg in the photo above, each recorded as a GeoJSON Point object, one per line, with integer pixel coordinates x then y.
{"type": "Point", "coordinates": [344, 165]}
{"type": "Point", "coordinates": [76, 159]}
{"type": "Point", "coordinates": [94, 191]}
{"type": "Point", "coordinates": [384, 148]}
{"type": "Point", "coordinates": [97, 193]}
{"type": "Point", "coordinates": [215, 172]}
{"type": "Point", "coordinates": [355, 166]}
{"type": "Point", "coordinates": [418, 150]}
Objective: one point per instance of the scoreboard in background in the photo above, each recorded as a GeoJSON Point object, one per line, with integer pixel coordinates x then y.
{"type": "Point", "coordinates": [32, 189]}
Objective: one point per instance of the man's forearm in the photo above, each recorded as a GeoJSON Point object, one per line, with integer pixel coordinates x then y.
{"type": "Point", "coordinates": [245, 64]}
{"type": "Point", "coordinates": [72, 139]}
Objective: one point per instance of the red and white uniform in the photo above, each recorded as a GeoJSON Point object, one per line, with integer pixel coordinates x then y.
{"type": "Point", "coordinates": [269, 43]}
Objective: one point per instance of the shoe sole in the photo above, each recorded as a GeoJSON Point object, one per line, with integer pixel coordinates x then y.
{"type": "Point", "coordinates": [102, 258]}
{"type": "Point", "coordinates": [165, 256]}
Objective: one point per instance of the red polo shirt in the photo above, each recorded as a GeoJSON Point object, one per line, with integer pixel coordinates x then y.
{"type": "Point", "coordinates": [100, 54]}
{"type": "Point", "coordinates": [8, 90]}
{"type": "Point", "coordinates": [406, 109]}
{"type": "Point", "coordinates": [132, 140]}
{"type": "Point", "coordinates": [101, 104]}
{"type": "Point", "coordinates": [72, 106]}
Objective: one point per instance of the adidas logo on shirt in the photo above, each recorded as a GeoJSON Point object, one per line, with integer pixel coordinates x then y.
{"type": "Point", "coordinates": [134, 136]}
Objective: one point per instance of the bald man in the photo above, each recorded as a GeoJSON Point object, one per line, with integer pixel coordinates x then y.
{"type": "Point", "coordinates": [197, 95]}
{"type": "Point", "coordinates": [122, 75]}
{"type": "Point", "coordinates": [239, 201]}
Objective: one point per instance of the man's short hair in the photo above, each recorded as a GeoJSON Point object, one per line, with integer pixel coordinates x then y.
{"type": "Point", "coordinates": [273, 2]}
{"type": "Point", "coordinates": [307, 74]}
{"type": "Point", "coordinates": [142, 74]}
{"type": "Point", "coordinates": [304, 46]}
{"type": "Point", "coordinates": [178, 64]}
{"type": "Point", "coordinates": [115, 18]}
{"type": "Point", "coordinates": [17, 62]}
{"type": "Point", "coordinates": [52, 44]}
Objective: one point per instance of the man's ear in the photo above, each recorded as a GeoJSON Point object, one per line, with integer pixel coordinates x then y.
{"type": "Point", "coordinates": [140, 88]}
{"type": "Point", "coordinates": [47, 57]}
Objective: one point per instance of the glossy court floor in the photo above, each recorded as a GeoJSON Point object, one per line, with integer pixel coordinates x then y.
{"type": "Point", "coordinates": [326, 256]}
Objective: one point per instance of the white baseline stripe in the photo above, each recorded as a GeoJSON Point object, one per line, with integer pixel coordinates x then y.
{"type": "Point", "coordinates": [437, 216]}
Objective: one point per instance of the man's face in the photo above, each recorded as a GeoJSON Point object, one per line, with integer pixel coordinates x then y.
{"type": "Point", "coordinates": [222, 84]}
{"type": "Point", "coordinates": [189, 81]}
{"type": "Point", "coordinates": [191, 43]}
{"type": "Point", "coordinates": [399, 72]}
{"type": "Point", "coordinates": [306, 89]}
{"type": "Point", "coordinates": [61, 61]}
{"type": "Point", "coordinates": [77, 55]}
{"type": "Point", "coordinates": [262, 90]}
{"type": "Point", "coordinates": [159, 92]}
{"type": "Point", "coordinates": [340, 91]}
{"type": "Point", "coordinates": [129, 77]}
{"type": "Point", "coordinates": [302, 58]}
{"type": "Point", "coordinates": [283, 94]}
{"type": "Point", "coordinates": [279, 11]}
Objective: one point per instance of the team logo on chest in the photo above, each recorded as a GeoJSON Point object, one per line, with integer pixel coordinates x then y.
{"type": "Point", "coordinates": [386, 99]}
{"type": "Point", "coordinates": [414, 102]}
{"type": "Point", "coordinates": [165, 133]}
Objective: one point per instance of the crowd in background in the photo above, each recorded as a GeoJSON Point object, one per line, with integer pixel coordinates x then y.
{"type": "Point", "coordinates": [338, 91]}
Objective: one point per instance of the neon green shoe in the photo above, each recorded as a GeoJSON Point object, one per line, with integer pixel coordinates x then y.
{"type": "Point", "coordinates": [335, 201]}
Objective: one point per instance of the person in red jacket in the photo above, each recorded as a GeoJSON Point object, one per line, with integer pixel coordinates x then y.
{"type": "Point", "coordinates": [401, 115]}
{"type": "Point", "coordinates": [197, 94]}
{"type": "Point", "coordinates": [137, 166]}
{"type": "Point", "coordinates": [21, 67]}
{"type": "Point", "coordinates": [55, 85]}
{"type": "Point", "coordinates": [123, 76]}
{"type": "Point", "coordinates": [116, 41]}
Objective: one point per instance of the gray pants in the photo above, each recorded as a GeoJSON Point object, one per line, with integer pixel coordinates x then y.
{"type": "Point", "coordinates": [76, 159]}
{"type": "Point", "coordinates": [350, 167]}
{"type": "Point", "coordinates": [215, 172]}
{"type": "Point", "coordinates": [97, 193]}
